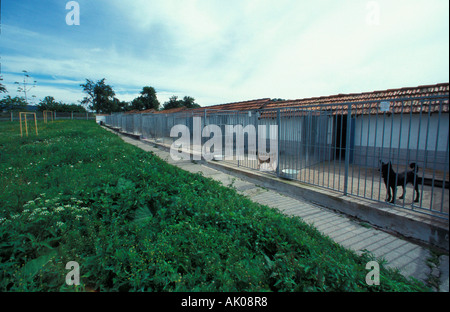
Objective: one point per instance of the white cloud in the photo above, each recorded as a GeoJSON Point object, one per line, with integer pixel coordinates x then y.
{"type": "Point", "coordinates": [224, 51]}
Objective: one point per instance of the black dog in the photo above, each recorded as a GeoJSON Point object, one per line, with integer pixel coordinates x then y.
{"type": "Point", "coordinates": [393, 179]}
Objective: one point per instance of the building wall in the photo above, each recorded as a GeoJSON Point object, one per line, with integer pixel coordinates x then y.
{"type": "Point", "coordinates": [402, 139]}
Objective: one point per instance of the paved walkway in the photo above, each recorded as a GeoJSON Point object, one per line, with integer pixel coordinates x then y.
{"type": "Point", "coordinates": [411, 259]}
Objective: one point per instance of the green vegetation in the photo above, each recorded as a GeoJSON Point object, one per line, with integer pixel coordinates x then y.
{"type": "Point", "coordinates": [49, 103]}
{"type": "Point", "coordinates": [135, 223]}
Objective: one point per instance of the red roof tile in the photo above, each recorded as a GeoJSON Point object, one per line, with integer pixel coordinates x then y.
{"type": "Point", "coordinates": [402, 100]}
{"type": "Point", "coordinates": [147, 111]}
{"type": "Point", "coordinates": [240, 106]}
{"type": "Point", "coordinates": [171, 111]}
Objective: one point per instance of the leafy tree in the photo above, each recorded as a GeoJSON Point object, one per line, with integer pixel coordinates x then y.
{"type": "Point", "coordinates": [2, 87]}
{"type": "Point", "coordinates": [119, 106]}
{"type": "Point", "coordinates": [136, 104]}
{"type": "Point", "coordinates": [100, 96]}
{"type": "Point", "coordinates": [49, 103]}
{"type": "Point", "coordinates": [149, 99]}
{"type": "Point", "coordinates": [174, 102]}
{"type": "Point", "coordinates": [146, 100]}
{"type": "Point", "coordinates": [189, 102]}
{"type": "Point", "coordinates": [88, 88]}
{"type": "Point", "coordinates": [12, 104]}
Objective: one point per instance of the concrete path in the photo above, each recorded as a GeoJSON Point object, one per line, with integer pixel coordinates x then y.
{"type": "Point", "coordinates": [411, 259]}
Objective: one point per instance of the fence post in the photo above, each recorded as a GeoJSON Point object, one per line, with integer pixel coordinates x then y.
{"type": "Point", "coordinates": [347, 147]}
{"type": "Point", "coordinates": [278, 141]}
{"type": "Point", "coordinates": [12, 116]}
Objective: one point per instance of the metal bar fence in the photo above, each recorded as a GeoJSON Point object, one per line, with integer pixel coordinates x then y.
{"type": "Point", "coordinates": [14, 116]}
{"type": "Point", "coordinates": [340, 147]}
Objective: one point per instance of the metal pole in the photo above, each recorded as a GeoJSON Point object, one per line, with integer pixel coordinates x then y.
{"type": "Point", "coordinates": [347, 147]}
{"type": "Point", "coordinates": [278, 142]}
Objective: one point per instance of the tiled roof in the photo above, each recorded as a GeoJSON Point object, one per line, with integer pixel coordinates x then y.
{"type": "Point", "coordinates": [171, 111]}
{"type": "Point", "coordinates": [240, 106]}
{"type": "Point", "coordinates": [368, 102]}
{"type": "Point", "coordinates": [147, 111]}
{"type": "Point", "coordinates": [402, 100]}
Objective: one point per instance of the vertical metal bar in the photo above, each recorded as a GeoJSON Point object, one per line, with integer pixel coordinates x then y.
{"type": "Point", "coordinates": [435, 155]}
{"type": "Point", "coordinates": [407, 149]}
{"type": "Point", "coordinates": [308, 145]}
{"type": "Point", "coordinates": [427, 132]}
{"type": "Point", "coordinates": [335, 146]}
{"type": "Point", "coordinates": [278, 142]}
{"type": "Point", "coordinates": [360, 147]}
{"type": "Point", "coordinates": [399, 145]}
{"type": "Point", "coordinates": [367, 152]}
{"type": "Point", "coordinates": [419, 132]}
{"type": "Point", "coordinates": [289, 135]}
{"type": "Point", "coordinates": [390, 148]}
{"type": "Point", "coordinates": [382, 152]}
{"type": "Point", "coordinates": [340, 149]}
{"type": "Point", "coordinates": [328, 144]}
{"type": "Point", "coordinates": [347, 147]}
{"type": "Point", "coordinates": [444, 179]}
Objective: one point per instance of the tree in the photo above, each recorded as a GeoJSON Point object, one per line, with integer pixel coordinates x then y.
{"type": "Point", "coordinates": [88, 88]}
{"type": "Point", "coordinates": [187, 101]}
{"type": "Point", "coordinates": [136, 104]}
{"type": "Point", "coordinates": [119, 106]}
{"type": "Point", "coordinates": [146, 100]}
{"type": "Point", "coordinates": [100, 97]}
{"type": "Point", "coordinates": [2, 87]}
{"type": "Point", "coordinates": [49, 103]}
{"type": "Point", "coordinates": [12, 104]}
{"type": "Point", "coordinates": [172, 103]}
{"type": "Point", "coordinates": [149, 99]}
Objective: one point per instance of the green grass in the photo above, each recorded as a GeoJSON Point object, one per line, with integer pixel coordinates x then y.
{"type": "Point", "coordinates": [135, 223]}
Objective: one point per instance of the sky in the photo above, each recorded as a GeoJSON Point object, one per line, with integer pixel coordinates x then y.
{"type": "Point", "coordinates": [222, 51]}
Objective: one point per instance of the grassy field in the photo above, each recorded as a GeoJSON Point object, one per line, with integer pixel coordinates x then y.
{"type": "Point", "coordinates": [135, 223]}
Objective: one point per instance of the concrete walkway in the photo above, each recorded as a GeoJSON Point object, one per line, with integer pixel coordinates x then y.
{"type": "Point", "coordinates": [413, 260]}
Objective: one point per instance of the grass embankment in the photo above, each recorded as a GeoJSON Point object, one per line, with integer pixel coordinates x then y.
{"type": "Point", "coordinates": [136, 223]}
